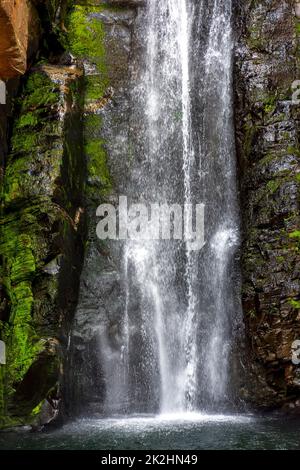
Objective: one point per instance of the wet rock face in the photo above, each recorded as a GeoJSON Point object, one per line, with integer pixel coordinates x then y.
{"type": "Point", "coordinates": [26, 27]}
{"type": "Point", "coordinates": [19, 36]}
{"type": "Point", "coordinates": [108, 82]}
{"type": "Point", "coordinates": [56, 169]}
{"type": "Point", "coordinates": [41, 246]}
{"type": "Point", "coordinates": [267, 130]}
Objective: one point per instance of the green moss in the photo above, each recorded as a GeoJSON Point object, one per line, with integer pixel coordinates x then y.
{"type": "Point", "coordinates": [95, 87]}
{"type": "Point", "coordinates": [86, 35]}
{"type": "Point", "coordinates": [34, 131]}
{"type": "Point", "coordinates": [272, 186]}
{"type": "Point", "coordinates": [291, 150]}
{"type": "Point", "coordinates": [24, 245]}
{"type": "Point", "coordinates": [38, 97]}
{"type": "Point", "coordinates": [28, 119]}
{"type": "Point", "coordinates": [19, 335]}
{"type": "Point", "coordinates": [33, 136]}
{"type": "Point", "coordinates": [249, 130]}
{"type": "Point", "coordinates": [87, 41]}
{"type": "Point", "coordinates": [97, 165]}
{"type": "Point", "coordinates": [270, 104]}
{"type": "Point", "coordinates": [20, 252]}
{"type": "Point", "coordinates": [295, 303]}
{"type": "Point", "coordinates": [92, 124]}
{"type": "Point", "coordinates": [76, 92]}
{"type": "Point", "coordinates": [36, 411]}
{"type": "Point", "coordinates": [17, 177]}
{"type": "Point", "coordinates": [255, 38]}
{"type": "Point", "coordinates": [23, 142]}
{"type": "Point", "coordinates": [295, 234]}
{"type": "Point", "coordinates": [39, 91]}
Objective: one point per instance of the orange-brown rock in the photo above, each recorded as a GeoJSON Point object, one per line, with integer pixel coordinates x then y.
{"type": "Point", "coordinates": [18, 31]}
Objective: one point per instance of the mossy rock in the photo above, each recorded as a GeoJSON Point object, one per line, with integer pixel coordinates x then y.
{"type": "Point", "coordinates": [42, 189]}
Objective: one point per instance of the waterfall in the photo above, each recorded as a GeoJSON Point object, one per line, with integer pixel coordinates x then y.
{"type": "Point", "coordinates": [217, 177]}
{"type": "Point", "coordinates": [171, 343]}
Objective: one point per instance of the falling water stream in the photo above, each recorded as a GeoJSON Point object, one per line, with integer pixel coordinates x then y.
{"type": "Point", "coordinates": [179, 307]}
{"type": "Point", "coordinates": [156, 324]}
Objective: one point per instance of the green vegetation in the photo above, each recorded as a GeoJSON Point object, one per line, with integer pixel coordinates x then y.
{"type": "Point", "coordinates": [39, 91]}
{"type": "Point", "coordinates": [19, 334]}
{"type": "Point", "coordinates": [33, 131]}
{"type": "Point", "coordinates": [97, 164]}
{"type": "Point", "coordinates": [273, 185]}
{"type": "Point", "coordinates": [39, 95]}
{"type": "Point", "coordinates": [41, 157]}
{"type": "Point", "coordinates": [86, 35]}
{"type": "Point", "coordinates": [295, 234]}
{"type": "Point", "coordinates": [295, 304]}
{"type": "Point", "coordinates": [270, 104]}
{"type": "Point", "coordinates": [99, 180]}
{"type": "Point", "coordinates": [20, 243]}
{"type": "Point", "coordinates": [95, 86]}
{"type": "Point", "coordinates": [86, 40]}
{"type": "Point", "coordinates": [29, 119]}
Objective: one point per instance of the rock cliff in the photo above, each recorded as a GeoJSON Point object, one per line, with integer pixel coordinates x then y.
{"type": "Point", "coordinates": [19, 26]}
{"type": "Point", "coordinates": [56, 172]}
{"type": "Point", "coordinates": [41, 228]}
{"type": "Point", "coordinates": [267, 128]}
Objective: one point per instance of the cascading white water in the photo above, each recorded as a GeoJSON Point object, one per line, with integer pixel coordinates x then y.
{"type": "Point", "coordinates": [177, 327]}
{"type": "Point", "coordinates": [217, 142]}
{"type": "Point", "coordinates": [168, 41]}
